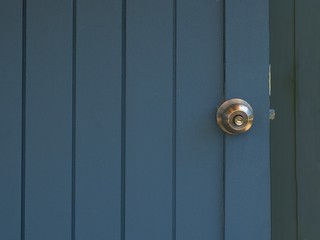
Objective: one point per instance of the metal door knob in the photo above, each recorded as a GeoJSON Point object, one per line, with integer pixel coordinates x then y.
{"type": "Point", "coordinates": [235, 116]}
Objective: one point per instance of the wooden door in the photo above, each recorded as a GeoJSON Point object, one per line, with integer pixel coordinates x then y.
{"type": "Point", "coordinates": [108, 120]}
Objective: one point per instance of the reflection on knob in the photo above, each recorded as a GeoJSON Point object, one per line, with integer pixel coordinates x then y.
{"type": "Point", "coordinates": [235, 116]}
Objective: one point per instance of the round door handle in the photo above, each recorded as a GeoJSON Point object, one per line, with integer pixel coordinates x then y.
{"type": "Point", "coordinates": [235, 116]}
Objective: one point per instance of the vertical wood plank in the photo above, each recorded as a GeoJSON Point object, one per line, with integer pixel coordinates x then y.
{"type": "Point", "coordinates": [48, 120]}
{"type": "Point", "coordinates": [199, 203]}
{"type": "Point", "coordinates": [308, 117]}
{"type": "Point", "coordinates": [247, 204]}
{"type": "Point", "coordinates": [98, 120]}
{"type": "Point", "coordinates": [10, 120]}
{"type": "Point", "coordinates": [282, 138]}
{"type": "Point", "coordinates": [149, 120]}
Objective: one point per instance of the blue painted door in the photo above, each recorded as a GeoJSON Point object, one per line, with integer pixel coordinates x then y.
{"type": "Point", "coordinates": [107, 125]}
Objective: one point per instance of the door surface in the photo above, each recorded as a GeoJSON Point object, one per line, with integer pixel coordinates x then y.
{"type": "Point", "coordinates": [107, 127]}
{"type": "Point", "coordinates": [295, 152]}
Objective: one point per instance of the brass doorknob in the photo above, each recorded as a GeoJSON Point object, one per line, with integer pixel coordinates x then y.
{"type": "Point", "coordinates": [235, 116]}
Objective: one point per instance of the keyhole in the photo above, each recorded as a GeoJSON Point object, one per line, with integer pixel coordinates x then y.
{"type": "Point", "coordinates": [238, 120]}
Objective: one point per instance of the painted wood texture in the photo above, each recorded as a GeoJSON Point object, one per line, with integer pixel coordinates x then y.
{"type": "Point", "coordinates": [247, 173]}
{"type": "Point", "coordinates": [117, 101]}
{"type": "Point", "coordinates": [308, 116]}
{"type": "Point", "coordinates": [149, 68]}
{"type": "Point", "coordinates": [283, 139]}
{"type": "Point", "coordinates": [98, 119]}
{"type": "Point", "coordinates": [295, 172]}
{"type": "Point", "coordinates": [11, 118]}
{"type": "Point", "coordinates": [199, 151]}
{"type": "Point", "coordinates": [48, 140]}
